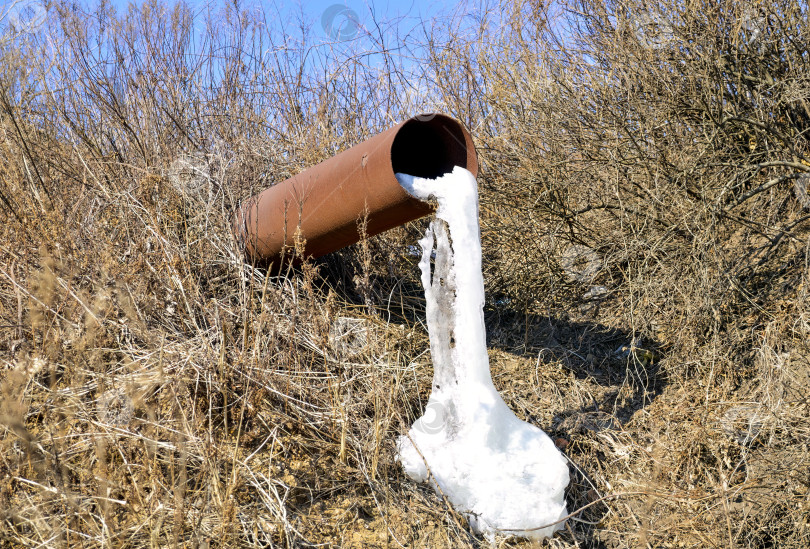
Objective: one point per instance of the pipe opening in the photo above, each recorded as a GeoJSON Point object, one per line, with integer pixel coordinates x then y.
{"type": "Point", "coordinates": [429, 148]}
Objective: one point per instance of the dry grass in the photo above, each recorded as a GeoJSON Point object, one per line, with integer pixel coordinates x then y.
{"type": "Point", "coordinates": [646, 259]}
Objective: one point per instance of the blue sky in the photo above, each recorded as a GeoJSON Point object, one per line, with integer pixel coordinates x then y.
{"type": "Point", "coordinates": [403, 14]}
{"type": "Point", "coordinates": [344, 28]}
{"type": "Point", "coordinates": [359, 31]}
{"type": "Point", "coordinates": [392, 8]}
{"type": "Point", "coordinates": [399, 15]}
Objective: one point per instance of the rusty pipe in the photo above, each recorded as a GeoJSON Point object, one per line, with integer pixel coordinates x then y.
{"type": "Point", "coordinates": [326, 203]}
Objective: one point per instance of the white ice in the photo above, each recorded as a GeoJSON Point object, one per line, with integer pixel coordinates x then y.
{"type": "Point", "coordinates": [504, 474]}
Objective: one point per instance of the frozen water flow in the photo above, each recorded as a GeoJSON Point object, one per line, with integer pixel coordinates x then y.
{"type": "Point", "coordinates": [504, 474]}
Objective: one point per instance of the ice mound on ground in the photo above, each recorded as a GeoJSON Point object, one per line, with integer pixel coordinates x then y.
{"type": "Point", "coordinates": [504, 474]}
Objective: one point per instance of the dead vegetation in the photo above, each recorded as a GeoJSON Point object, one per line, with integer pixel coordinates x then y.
{"type": "Point", "coordinates": [645, 230]}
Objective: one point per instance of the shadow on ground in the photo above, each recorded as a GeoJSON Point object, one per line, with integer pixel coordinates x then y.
{"type": "Point", "coordinates": [609, 357]}
{"type": "Point", "coordinates": [603, 376]}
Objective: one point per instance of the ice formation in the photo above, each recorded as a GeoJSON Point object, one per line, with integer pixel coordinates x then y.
{"type": "Point", "coordinates": [504, 474]}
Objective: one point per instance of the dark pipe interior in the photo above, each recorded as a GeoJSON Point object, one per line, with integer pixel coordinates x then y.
{"type": "Point", "coordinates": [429, 148]}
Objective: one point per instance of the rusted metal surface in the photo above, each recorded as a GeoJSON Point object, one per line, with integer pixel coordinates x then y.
{"type": "Point", "coordinates": [327, 202]}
